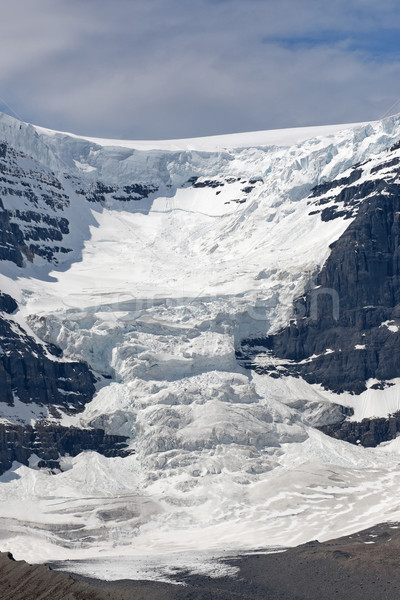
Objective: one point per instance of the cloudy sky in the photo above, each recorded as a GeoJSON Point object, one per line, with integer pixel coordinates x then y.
{"type": "Point", "coordinates": [152, 69]}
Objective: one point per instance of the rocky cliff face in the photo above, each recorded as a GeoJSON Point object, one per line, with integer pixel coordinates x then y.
{"type": "Point", "coordinates": [48, 443]}
{"type": "Point", "coordinates": [368, 433]}
{"type": "Point", "coordinates": [345, 329]}
{"type": "Point", "coordinates": [32, 372]}
{"type": "Point", "coordinates": [32, 201]}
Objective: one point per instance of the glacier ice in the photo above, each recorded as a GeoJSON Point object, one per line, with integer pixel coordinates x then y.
{"type": "Point", "coordinates": [155, 297]}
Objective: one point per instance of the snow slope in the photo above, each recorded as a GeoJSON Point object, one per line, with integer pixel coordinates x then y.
{"type": "Point", "coordinates": [272, 137]}
{"type": "Point", "coordinates": [155, 295]}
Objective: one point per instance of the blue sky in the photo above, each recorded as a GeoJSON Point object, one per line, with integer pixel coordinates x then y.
{"type": "Point", "coordinates": [175, 68]}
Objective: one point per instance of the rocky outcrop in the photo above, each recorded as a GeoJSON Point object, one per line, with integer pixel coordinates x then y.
{"type": "Point", "coordinates": [368, 432]}
{"type": "Point", "coordinates": [48, 442]}
{"type": "Point", "coordinates": [32, 200]}
{"type": "Point", "coordinates": [7, 304]}
{"type": "Point", "coordinates": [101, 192]}
{"type": "Point", "coordinates": [346, 328]}
{"type": "Point", "coordinates": [198, 182]}
{"type": "Point", "coordinates": [29, 374]}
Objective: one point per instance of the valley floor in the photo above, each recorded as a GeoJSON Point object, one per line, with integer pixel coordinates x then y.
{"type": "Point", "coordinates": [362, 566]}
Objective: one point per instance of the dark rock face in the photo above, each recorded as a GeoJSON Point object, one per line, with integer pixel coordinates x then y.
{"type": "Point", "coordinates": [203, 182]}
{"type": "Point", "coordinates": [100, 192]}
{"type": "Point", "coordinates": [12, 244]}
{"type": "Point", "coordinates": [206, 183]}
{"type": "Point", "coordinates": [7, 304]}
{"type": "Point", "coordinates": [346, 328]}
{"type": "Point", "coordinates": [327, 186]}
{"type": "Point", "coordinates": [368, 433]}
{"type": "Point", "coordinates": [344, 331]}
{"type": "Point", "coordinates": [49, 442]}
{"type": "Point", "coordinates": [31, 200]}
{"type": "Point", "coordinates": [136, 191]}
{"type": "Point", "coordinates": [28, 374]}
{"type": "Point", "coordinates": [341, 195]}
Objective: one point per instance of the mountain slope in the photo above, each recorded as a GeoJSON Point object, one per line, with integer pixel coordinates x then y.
{"type": "Point", "coordinates": [148, 268]}
{"type": "Point", "coordinates": [345, 332]}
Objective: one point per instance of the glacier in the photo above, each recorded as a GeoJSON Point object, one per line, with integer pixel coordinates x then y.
{"type": "Point", "coordinates": [186, 248]}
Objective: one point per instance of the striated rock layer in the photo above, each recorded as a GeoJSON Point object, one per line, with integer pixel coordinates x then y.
{"type": "Point", "coordinates": [47, 443]}
{"type": "Point", "coordinates": [345, 328]}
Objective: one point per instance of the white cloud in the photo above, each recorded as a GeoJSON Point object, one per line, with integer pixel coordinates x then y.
{"type": "Point", "coordinates": [169, 68]}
